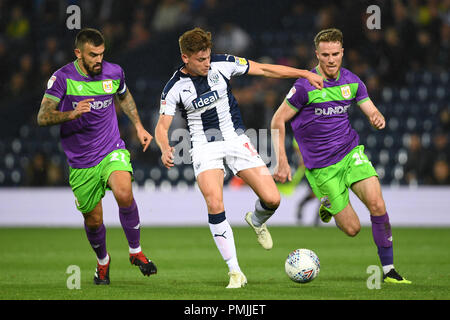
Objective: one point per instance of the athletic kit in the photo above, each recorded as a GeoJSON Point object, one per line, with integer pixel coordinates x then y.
{"type": "Point", "coordinates": [92, 142]}
{"type": "Point", "coordinates": [329, 145]}
{"type": "Point", "coordinates": [212, 115]}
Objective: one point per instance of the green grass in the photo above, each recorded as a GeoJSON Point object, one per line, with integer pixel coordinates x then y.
{"type": "Point", "coordinates": [33, 264]}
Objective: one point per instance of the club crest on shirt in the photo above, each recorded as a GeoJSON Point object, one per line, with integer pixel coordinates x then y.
{"type": "Point", "coordinates": [346, 92]}
{"type": "Point", "coordinates": [50, 82]}
{"type": "Point", "coordinates": [107, 86]}
{"type": "Point", "coordinates": [291, 93]}
{"type": "Point", "coordinates": [213, 77]}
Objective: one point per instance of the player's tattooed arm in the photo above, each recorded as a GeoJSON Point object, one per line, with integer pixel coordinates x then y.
{"type": "Point", "coordinates": [127, 104]}
{"type": "Point", "coordinates": [49, 115]}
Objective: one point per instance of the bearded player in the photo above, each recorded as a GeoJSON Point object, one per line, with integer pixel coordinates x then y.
{"type": "Point", "coordinates": [81, 98]}
{"type": "Point", "coordinates": [334, 159]}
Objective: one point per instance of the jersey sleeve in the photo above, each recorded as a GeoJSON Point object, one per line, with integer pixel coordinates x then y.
{"type": "Point", "coordinates": [56, 87]}
{"type": "Point", "coordinates": [122, 85]}
{"type": "Point", "coordinates": [361, 94]}
{"type": "Point", "coordinates": [168, 103]}
{"type": "Point", "coordinates": [231, 65]}
{"type": "Point", "coordinates": [297, 97]}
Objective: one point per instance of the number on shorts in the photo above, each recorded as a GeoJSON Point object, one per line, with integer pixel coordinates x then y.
{"type": "Point", "coordinates": [252, 149]}
{"type": "Point", "coordinates": [359, 158]}
{"type": "Point", "coordinates": [115, 157]}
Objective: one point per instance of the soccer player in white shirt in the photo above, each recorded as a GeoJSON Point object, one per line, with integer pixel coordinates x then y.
{"type": "Point", "coordinates": [201, 89]}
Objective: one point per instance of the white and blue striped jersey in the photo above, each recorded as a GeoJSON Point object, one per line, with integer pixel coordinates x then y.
{"type": "Point", "coordinates": [206, 103]}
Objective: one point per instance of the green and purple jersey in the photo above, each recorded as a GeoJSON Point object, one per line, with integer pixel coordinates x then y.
{"type": "Point", "coordinates": [321, 125]}
{"type": "Point", "coordinates": [90, 138]}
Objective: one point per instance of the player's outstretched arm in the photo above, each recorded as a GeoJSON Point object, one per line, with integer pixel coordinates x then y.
{"type": "Point", "coordinates": [375, 117]}
{"type": "Point", "coordinates": [279, 119]}
{"type": "Point", "coordinates": [162, 139]}
{"type": "Point", "coordinates": [49, 115]}
{"type": "Point", "coordinates": [279, 71]}
{"type": "Point", "coordinates": [128, 106]}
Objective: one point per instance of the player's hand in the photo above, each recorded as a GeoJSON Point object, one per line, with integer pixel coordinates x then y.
{"type": "Point", "coordinates": [283, 172]}
{"type": "Point", "coordinates": [144, 137]}
{"type": "Point", "coordinates": [314, 79]}
{"type": "Point", "coordinates": [377, 120]}
{"type": "Point", "coordinates": [167, 157]}
{"type": "Point", "coordinates": [83, 106]}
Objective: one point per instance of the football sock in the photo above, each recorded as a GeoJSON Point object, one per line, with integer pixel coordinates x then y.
{"type": "Point", "coordinates": [387, 268]}
{"type": "Point", "coordinates": [97, 239]}
{"type": "Point", "coordinates": [261, 214]}
{"type": "Point", "coordinates": [129, 219]}
{"type": "Point", "coordinates": [224, 239]}
{"type": "Point", "coordinates": [135, 250]}
{"type": "Point", "coordinates": [382, 235]}
{"type": "Point", "coordinates": [103, 261]}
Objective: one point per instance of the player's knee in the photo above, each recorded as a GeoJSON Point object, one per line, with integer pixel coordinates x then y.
{"type": "Point", "coordinates": [124, 197]}
{"type": "Point", "coordinates": [273, 202]}
{"type": "Point", "coordinates": [215, 205]}
{"type": "Point", "coordinates": [93, 222]}
{"type": "Point", "coordinates": [352, 230]}
{"type": "Point", "coordinates": [376, 206]}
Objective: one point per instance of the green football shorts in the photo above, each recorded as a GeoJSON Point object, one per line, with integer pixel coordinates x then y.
{"type": "Point", "coordinates": [331, 184]}
{"type": "Point", "coordinates": [89, 184]}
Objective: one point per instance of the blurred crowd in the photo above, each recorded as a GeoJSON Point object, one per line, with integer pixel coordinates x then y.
{"type": "Point", "coordinates": [142, 36]}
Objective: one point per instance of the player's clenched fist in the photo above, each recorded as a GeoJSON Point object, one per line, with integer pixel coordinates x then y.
{"type": "Point", "coordinates": [315, 80]}
{"type": "Point", "coordinates": [283, 172]}
{"type": "Point", "coordinates": [82, 107]}
{"type": "Point", "coordinates": [167, 157]}
{"type": "Point", "coordinates": [377, 120]}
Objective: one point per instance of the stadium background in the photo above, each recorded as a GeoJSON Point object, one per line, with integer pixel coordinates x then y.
{"type": "Point", "coordinates": [405, 66]}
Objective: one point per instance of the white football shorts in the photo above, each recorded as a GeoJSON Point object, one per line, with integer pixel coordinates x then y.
{"type": "Point", "coordinates": [238, 154]}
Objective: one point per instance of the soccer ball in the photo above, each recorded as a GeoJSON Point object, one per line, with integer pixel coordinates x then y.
{"type": "Point", "coordinates": [302, 265]}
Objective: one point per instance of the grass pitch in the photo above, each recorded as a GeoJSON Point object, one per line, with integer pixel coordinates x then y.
{"type": "Point", "coordinates": [34, 261]}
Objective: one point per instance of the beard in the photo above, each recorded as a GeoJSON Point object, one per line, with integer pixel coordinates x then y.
{"type": "Point", "coordinates": [92, 71]}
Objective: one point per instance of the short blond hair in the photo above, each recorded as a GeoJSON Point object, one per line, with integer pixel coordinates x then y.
{"type": "Point", "coordinates": [195, 40]}
{"type": "Point", "coordinates": [329, 35]}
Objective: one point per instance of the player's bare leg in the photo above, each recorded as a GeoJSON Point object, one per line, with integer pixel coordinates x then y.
{"type": "Point", "coordinates": [94, 219]}
{"type": "Point", "coordinates": [347, 220]}
{"type": "Point", "coordinates": [210, 183]}
{"type": "Point", "coordinates": [369, 192]}
{"type": "Point", "coordinates": [261, 181]}
{"type": "Point", "coordinates": [96, 234]}
{"type": "Point", "coordinates": [120, 184]}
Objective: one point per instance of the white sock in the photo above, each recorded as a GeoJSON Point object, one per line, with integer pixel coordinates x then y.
{"type": "Point", "coordinates": [261, 214]}
{"type": "Point", "coordinates": [134, 250]}
{"type": "Point", "coordinates": [224, 239]}
{"type": "Point", "coordinates": [387, 268]}
{"type": "Point", "coordinates": [103, 261]}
